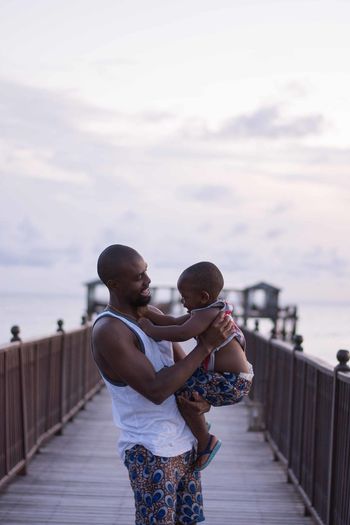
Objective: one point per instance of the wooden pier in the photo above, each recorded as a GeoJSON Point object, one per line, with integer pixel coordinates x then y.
{"type": "Point", "coordinates": [296, 462]}
{"type": "Point", "coordinates": [78, 479]}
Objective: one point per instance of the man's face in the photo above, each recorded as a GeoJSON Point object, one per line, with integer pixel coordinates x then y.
{"type": "Point", "coordinates": [134, 282]}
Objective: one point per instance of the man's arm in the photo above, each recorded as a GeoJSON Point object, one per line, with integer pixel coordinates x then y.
{"type": "Point", "coordinates": [195, 325]}
{"type": "Point", "coordinates": [118, 356]}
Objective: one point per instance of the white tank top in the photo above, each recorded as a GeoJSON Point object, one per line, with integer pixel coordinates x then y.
{"type": "Point", "coordinates": [159, 428]}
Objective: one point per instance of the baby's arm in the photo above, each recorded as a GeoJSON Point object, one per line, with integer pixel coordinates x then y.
{"type": "Point", "coordinates": [158, 318]}
{"type": "Point", "coordinates": [193, 326]}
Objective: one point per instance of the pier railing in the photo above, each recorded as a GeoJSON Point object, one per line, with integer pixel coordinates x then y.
{"type": "Point", "coordinates": [301, 403]}
{"type": "Point", "coordinates": [43, 383]}
{"type": "Point", "coordinates": [303, 406]}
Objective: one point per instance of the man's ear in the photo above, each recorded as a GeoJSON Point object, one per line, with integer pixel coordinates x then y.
{"type": "Point", "coordinates": [112, 283]}
{"type": "Point", "coordinates": [204, 297]}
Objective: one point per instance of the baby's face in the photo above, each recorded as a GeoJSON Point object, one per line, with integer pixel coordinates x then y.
{"type": "Point", "coordinates": [190, 297]}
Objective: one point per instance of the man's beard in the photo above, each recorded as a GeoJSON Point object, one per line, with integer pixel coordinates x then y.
{"type": "Point", "coordinates": [141, 301]}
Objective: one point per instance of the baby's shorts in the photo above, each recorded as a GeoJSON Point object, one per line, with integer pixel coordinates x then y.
{"type": "Point", "coordinates": [218, 388]}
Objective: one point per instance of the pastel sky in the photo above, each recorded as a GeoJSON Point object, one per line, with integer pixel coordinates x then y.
{"type": "Point", "coordinates": [191, 130]}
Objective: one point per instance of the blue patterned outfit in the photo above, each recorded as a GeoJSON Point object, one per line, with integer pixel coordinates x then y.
{"type": "Point", "coordinates": [166, 489]}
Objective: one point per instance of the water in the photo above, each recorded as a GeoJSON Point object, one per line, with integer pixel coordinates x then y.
{"type": "Point", "coordinates": [324, 326]}
{"type": "Point", "coordinates": [37, 314]}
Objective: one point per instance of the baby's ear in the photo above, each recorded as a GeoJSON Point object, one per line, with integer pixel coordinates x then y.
{"type": "Point", "coordinates": [204, 297]}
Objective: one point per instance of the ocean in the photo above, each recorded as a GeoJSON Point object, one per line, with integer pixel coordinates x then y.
{"type": "Point", "coordinates": [325, 326]}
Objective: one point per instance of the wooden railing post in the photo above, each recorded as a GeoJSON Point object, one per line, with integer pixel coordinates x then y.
{"type": "Point", "coordinates": [60, 324]}
{"type": "Point", "coordinates": [15, 331]}
{"type": "Point", "coordinates": [298, 340]}
{"type": "Point", "coordinates": [83, 367]}
{"type": "Point", "coordinates": [62, 384]}
{"type": "Point", "coordinates": [23, 471]}
{"type": "Point", "coordinates": [6, 418]}
{"type": "Point", "coordinates": [49, 372]}
{"type": "Point", "coordinates": [343, 357]}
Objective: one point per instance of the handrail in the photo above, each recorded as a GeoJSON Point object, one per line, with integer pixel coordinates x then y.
{"type": "Point", "coordinates": [43, 383]}
{"type": "Point", "coordinates": [304, 407]}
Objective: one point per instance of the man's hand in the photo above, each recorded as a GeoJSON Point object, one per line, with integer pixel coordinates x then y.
{"type": "Point", "coordinates": [220, 329]}
{"type": "Point", "coordinates": [194, 404]}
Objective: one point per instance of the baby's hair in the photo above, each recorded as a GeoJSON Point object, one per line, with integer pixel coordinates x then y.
{"type": "Point", "coordinates": [204, 276]}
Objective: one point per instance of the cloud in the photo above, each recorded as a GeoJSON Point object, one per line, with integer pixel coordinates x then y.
{"type": "Point", "coordinates": [38, 164]}
{"type": "Point", "coordinates": [264, 123]}
{"type": "Point", "coordinates": [156, 117]}
{"type": "Point", "coordinates": [274, 233]}
{"type": "Point", "coordinates": [268, 123]}
{"type": "Point", "coordinates": [281, 208]}
{"type": "Point", "coordinates": [49, 125]}
{"type": "Point", "coordinates": [321, 260]}
{"type": "Point", "coordinates": [24, 245]}
{"type": "Point", "coordinates": [206, 192]}
{"type": "Point", "coordinates": [240, 228]}
{"type": "Point", "coordinates": [326, 155]}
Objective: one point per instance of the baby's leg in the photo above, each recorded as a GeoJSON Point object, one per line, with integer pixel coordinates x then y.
{"type": "Point", "coordinates": [231, 358]}
{"type": "Point", "coordinates": [187, 397]}
{"type": "Point", "coordinates": [208, 444]}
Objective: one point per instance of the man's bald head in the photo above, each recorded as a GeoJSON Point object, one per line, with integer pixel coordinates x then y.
{"type": "Point", "coordinates": [112, 261]}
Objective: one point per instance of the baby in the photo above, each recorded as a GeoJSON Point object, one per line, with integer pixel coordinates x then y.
{"type": "Point", "coordinates": [226, 376]}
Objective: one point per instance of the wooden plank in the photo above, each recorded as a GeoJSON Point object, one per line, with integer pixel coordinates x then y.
{"type": "Point", "coordinates": [77, 478]}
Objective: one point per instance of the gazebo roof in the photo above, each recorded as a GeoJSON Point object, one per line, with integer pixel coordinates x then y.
{"type": "Point", "coordinates": [261, 286]}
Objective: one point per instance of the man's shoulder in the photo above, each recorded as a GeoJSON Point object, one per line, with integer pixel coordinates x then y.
{"type": "Point", "coordinates": [108, 327]}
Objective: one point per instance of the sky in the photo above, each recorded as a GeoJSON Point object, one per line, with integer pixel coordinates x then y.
{"type": "Point", "coordinates": [189, 130]}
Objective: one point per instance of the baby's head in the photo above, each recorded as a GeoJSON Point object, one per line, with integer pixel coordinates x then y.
{"type": "Point", "coordinates": [200, 285]}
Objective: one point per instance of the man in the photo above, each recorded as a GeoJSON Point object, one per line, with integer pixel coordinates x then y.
{"type": "Point", "coordinates": [142, 375]}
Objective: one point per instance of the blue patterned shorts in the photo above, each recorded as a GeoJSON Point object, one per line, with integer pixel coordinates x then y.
{"type": "Point", "coordinates": [167, 491]}
{"type": "Point", "coordinates": [218, 388]}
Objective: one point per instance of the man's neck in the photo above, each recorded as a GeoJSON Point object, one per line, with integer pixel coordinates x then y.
{"type": "Point", "coordinates": [122, 309]}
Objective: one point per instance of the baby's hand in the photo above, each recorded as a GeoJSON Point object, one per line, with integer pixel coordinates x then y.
{"type": "Point", "coordinates": [145, 325]}
{"type": "Point", "coordinates": [142, 311]}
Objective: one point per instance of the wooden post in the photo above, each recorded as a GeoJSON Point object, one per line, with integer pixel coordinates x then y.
{"type": "Point", "coordinates": [23, 471]}
{"type": "Point", "coordinates": [62, 384]}
{"type": "Point", "coordinates": [48, 371]}
{"type": "Point", "coordinates": [298, 339]}
{"type": "Point", "coordinates": [343, 357]}
{"type": "Point", "coordinates": [15, 330]}
{"type": "Point", "coordinates": [284, 330]}
{"type": "Point", "coordinates": [60, 324]}
{"type": "Point", "coordinates": [7, 426]}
